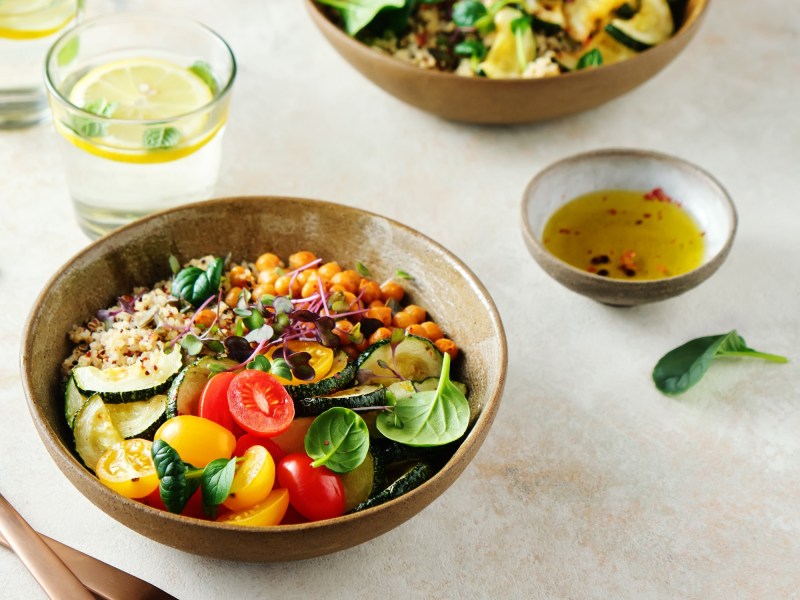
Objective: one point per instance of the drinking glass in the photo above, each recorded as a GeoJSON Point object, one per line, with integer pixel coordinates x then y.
{"type": "Point", "coordinates": [27, 29]}
{"type": "Point", "coordinates": [140, 102]}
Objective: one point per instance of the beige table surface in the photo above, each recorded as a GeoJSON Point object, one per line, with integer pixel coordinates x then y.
{"type": "Point", "coordinates": [591, 484]}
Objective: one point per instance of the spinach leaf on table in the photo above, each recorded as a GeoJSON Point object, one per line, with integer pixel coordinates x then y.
{"type": "Point", "coordinates": [683, 367]}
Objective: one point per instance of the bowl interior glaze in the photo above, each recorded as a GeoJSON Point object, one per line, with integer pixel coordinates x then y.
{"type": "Point", "coordinates": [137, 254]}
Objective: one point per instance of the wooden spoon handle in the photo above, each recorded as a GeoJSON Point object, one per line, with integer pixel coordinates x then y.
{"type": "Point", "coordinates": [52, 574]}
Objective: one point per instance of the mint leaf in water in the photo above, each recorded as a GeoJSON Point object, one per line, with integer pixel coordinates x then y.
{"type": "Point", "coordinates": [90, 128]}
{"type": "Point", "coordinates": [203, 70]}
{"type": "Point", "coordinates": [161, 138]}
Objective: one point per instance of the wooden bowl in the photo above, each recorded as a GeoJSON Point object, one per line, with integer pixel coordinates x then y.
{"type": "Point", "coordinates": [702, 196]}
{"type": "Point", "coordinates": [496, 101]}
{"type": "Point", "coordinates": [137, 254]}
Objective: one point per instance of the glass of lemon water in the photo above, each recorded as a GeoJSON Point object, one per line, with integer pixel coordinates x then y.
{"type": "Point", "coordinates": [140, 102]}
{"type": "Point", "coordinates": [27, 29]}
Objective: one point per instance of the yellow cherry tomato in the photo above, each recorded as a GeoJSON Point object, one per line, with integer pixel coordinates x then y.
{"type": "Point", "coordinates": [321, 360]}
{"type": "Point", "coordinates": [269, 512]}
{"type": "Point", "coordinates": [198, 441]}
{"type": "Point", "coordinates": [127, 468]}
{"type": "Point", "coordinates": [253, 481]}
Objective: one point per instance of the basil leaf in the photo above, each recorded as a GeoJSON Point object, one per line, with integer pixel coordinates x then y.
{"type": "Point", "coordinates": [683, 367]}
{"type": "Point", "coordinates": [466, 13]}
{"type": "Point", "coordinates": [593, 58]}
{"type": "Point", "coordinates": [431, 418]}
{"type": "Point", "coordinates": [358, 14]}
{"type": "Point", "coordinates": [215, 483]}
{"type": "Point", "coordinates": [338, 439]}
{"type": "Point", "coordinates": [195, 285]}
{"type": "Point", "coordinates": [174, 487]}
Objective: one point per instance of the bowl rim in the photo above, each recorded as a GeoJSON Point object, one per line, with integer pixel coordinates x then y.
{"type": "Point", "coordinates": [687, 28]}
{"type": "Point", "coordinates": [544, 256]}
{"type": "Point", "coordinates": [451, 469]}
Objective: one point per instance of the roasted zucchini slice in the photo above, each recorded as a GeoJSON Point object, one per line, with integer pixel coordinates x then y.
{"type": "Point", "coordinates": [340, 376]}
{"type": "Point", "coordinates": [94, 431]}
{"type": "Point", "coordinates": [139, 419]}
{"type": "Point", "coordinates": [362, 396]}
{"type": "Point", "coordinates": [183, 396]}
{"type": "Point", "coordinates": [415, 358]}
{"type": "Point", "coordinates": [73, 400]}
{"type": "Point", "coordinates": [650, 26]}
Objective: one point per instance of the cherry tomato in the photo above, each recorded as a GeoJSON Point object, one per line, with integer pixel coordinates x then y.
{"type": "Point", "coordinates": [193, 508]}
{"type": "Point", "coordinates": [268, 512]}
{"type": "Point", "coordinates": [251, 439]}
{"type": "Point", "coordinates": [214, 402]}
{"type": "Point", "coordinates": [316, 492]}
{"type": "Point", "coordinates": [253, 480]}
{"type": "Point", "coordinates": [321, 360]}
{"type": "Point", "coordinates": [198, 441]}
{"type": "Point", "coordinates": [128, 469]}
{"type": "Point", "coordinates": [294, 438]}
{"type": "Point", "coordinates": [259, 403]}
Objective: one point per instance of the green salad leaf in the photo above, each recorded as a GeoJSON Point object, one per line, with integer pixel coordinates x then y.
{"type": "Point", "coordinates": [358, 14]}
{"type": "Point", "coordinates": [215, 483]}
{"type": "Point", "coordinates": [593, 58]}
{"type": "Point", "coordinates": [338, 439]}
{"type": "Point", "coordinates": [430, 418]}
{"type": "Point", "coordinates": [683, 367]}
{"type": "Point", "coordinates": [196, 285]}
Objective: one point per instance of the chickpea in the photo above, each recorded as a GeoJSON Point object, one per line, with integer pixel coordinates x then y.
{"type": "Point", "coordinates": [262, 290]}
{"type": "Point", "coordinates": [268, 276]}
{"type": "Point", "coordinates": [328, 270]}
{"type": "Point", "coordinates": [349, 280]}
{"type": "Point", "coordinates": [343, 329]}
{"type": "Point", "coordinates": [381, 333]}
{"type": "Point", "coordinates": [299, 259]}
{"type": "Point", "coordinates": [448, 346]}
{"type": "Point", "coordinates": [205, 318]}
{"type": "Point", "coordinates": [417, 313]}
{"type": "Point", "coordinates": [402, 320]}
{"type": "Point", "coordinates": [432, 331]}
{"type": "Point", "coordinates": [282, 286]}
{"type": "Point", "coordinates": [232, 297]}
{"type": "Point", "coordinates": [309, 289]}
{"type": "Point", "coordinates": [369, 290]}
{"type": "Point", "coordinates": [392, 290]}
{"type": "Point", "coordinates": [382, 313]}
{"type": "Point", "coordinates": [376, 304]}
{"type": "Point", "coordinates": [241, 277]}
{"type": "Point", "coordinates": [416, 329]}
{"type": "Point", "coordinates": [268, 261]}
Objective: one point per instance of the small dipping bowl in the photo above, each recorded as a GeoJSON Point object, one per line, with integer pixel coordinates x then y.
{"type": "Point", "coordinates": [702, 196]}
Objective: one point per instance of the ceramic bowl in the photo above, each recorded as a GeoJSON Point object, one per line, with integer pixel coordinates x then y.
{"type": "Point", "coordinates": [699, 193]}
{"type": "Point", "coordinates": [493, 101]}
{"type": "Point", "coordinates": [137, 255]}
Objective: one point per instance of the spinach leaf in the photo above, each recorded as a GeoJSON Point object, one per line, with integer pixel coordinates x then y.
{"type": "Point", "coordinates": [431, 418]}
{"type": "Point", "coordinates": [338, 439]}
{"type": "Point", "coordinates": [195, 285]}
{"type": "Point", "coordinates": [216, 483]}
{"type": "Point", "coordinates": [466, 13]}
{"type": "Point", "coordinates": [174, 486]}
{"type": "Point", "coordinates": [358, 14]}
{"type": "Point", "coordinates": [681, 368]}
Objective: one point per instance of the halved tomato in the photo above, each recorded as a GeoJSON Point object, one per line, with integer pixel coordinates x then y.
{"type": "Point", "coordinates": [214, 402]}
{"type": "Point", "coordinates": [321, 360]}
{"type": "Point", "coordinates": [259, 403]}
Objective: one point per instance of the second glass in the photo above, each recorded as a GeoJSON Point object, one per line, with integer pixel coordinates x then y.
{"type": "Point", "coordinates": [140, 102]}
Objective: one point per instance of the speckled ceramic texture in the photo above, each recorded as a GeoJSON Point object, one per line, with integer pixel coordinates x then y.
{"type": "Point", "coordinates": [702, 196]}
{"type": "Point", "coordinates": [137, 255]}
{"type": "Point", "coordinates": [481, 100]}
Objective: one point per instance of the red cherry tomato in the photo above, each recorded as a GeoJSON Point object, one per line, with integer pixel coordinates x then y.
{"type": "Point", "coordinates": [251, 439]}
{"type": "Point", "coordinates": [214, 402]}
{"type": "Point", "coordinates": [315, 492]}
{"type": "Point", "coordinates": [259, 403]}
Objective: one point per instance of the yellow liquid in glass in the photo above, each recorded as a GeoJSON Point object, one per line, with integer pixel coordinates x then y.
{"type": "Point", "coordinates": [626, 234]}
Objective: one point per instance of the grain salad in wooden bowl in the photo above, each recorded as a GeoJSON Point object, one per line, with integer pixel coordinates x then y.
{"type": "Point", "coordinates": [507, 61]}
{"type": "Point", "coordinates": [264, 403]}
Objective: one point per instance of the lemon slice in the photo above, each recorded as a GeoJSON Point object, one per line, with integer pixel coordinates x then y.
{"type": "Point", "coordinates": [144, 89]}
{"type": "Point", "coordinates": [31, 19]}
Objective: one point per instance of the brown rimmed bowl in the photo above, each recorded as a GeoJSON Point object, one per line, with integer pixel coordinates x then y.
{"type": "Point", "coordinates": [699, 193]}
{"type": "Point", "coordinates": [137, 254]}
{"type": "Point", "coordinates": [494, 101]}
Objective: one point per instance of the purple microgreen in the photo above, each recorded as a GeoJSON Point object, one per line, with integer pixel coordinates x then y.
{"type": "Point", "coordinates": [215, 346]}
{"type": "Point", "coordinates": [267, 299]}
{"type": "Point", "coordinates": [282, 320]}
{"type": "Point", "coordinates": [242, 312]}
{"type": "Point", "coordinates": [282, 305]}
{"type": "Point", "coordinates": [304, 316]}
{"type": "Point", "coordinates": [394, 305]}
{"type": "Point", "coordinates": [403, 275]}
{"type": "Point", "coordinates": [260, 363]}
{"type": "Point", "coordinates": [355, 336]}
{"type": "Point", "coordinates": [174, 265]}
{"type": "Point", "coordinates": [323, 301]}
{"type": "Point", "coordinates": [362, 270]}
{"type": "Point", "coordinates": [238, 348]}
{"type": "Point", "coordinates": [215, 368]}
{"type": "Point", "coordinates": [254, 321]}
{"type": "Point", "coordinates": [325, 334]}
{"type": "Point", "coordinates": [383, 365]}
{"type": "Point", "coordinates": [192, 344]}
{"type": "Point", "coordinates": [398, 335]}
{"type": "Point", "coordinates": [243, 302]}
{"type": "Point", "coordinates": [280, 368]}
{"type": "Point", "coordinates": [299, 364]}
{"type": "Point", "coordinates": [370, 326]}
{"type": "Point", "coordinates": [239, 327]}
{"type": "Point", "coordinates": [260, 334]}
